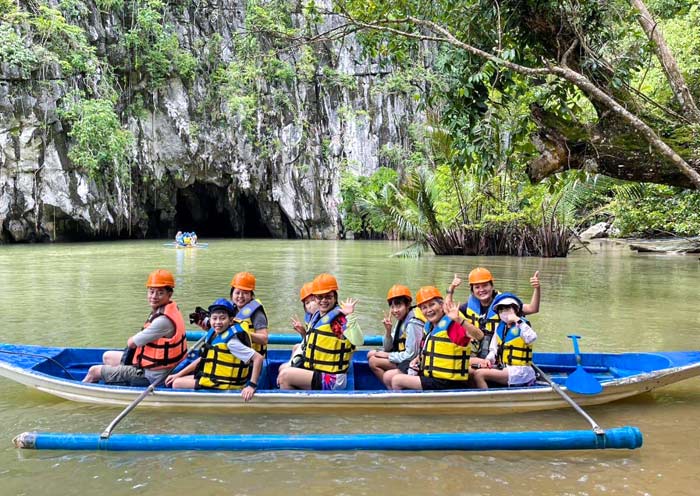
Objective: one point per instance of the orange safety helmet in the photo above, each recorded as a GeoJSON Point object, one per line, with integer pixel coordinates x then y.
{"type": "Point", "coordinates": [244, 281]}
{"type": "Point", "coordinates": [427, 293]}
{"type": "Point", "coordinates": [324, 283]}
{"type": "Point", "coordinates": [306, 290]}
{"type": "Point", "coordinates": [397, 291]}
{"type": "Point", "coordinates": [160, 278]}
{"type": "Point", "coordinates": [480, 275]}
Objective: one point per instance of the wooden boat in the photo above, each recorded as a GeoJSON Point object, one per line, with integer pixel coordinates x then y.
{"type": "Point", "coordinates": [58, 371]}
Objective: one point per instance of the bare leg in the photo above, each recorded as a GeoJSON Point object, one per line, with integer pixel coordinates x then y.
{"type": "Point", "coordinates": [112, 358]}
{"type": "Point", "coordinates": [293, 378]}
{"type": "Point", "coordinates": [185, 382]}
{"type": "Point", "coordinates": [389, 376]}
{"type": "Point", "coordinates": [94, 374]}
{"type": "Point", "coordinates": [495, 375]}
{"type": "Point", "coordinates": [405, 381]}
{"type": "Point", "coordinates": [380, 365]}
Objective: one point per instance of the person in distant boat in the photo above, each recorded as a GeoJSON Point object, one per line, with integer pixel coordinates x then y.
{"type": "Point", "coordinates": [478, 308]}
{"type": "Point", "coordinates": [226, 361]}
{"type": "Point", "coordinates": [180, 238]}
{"type": "Point", "coordinates": [443, 362]}
{"type": "Point", "coordinates": [308, 300]}
{"type": "Point", "coordinates": [332, 337]}
{"type": "Point", "coordinates": [510, 351]}
{"type": "Point", "coordinates": [402, 340]}
{"type": "Point", "coordinates": [248, 307]}
{"type": "Point", "coordinates": [156, 349]}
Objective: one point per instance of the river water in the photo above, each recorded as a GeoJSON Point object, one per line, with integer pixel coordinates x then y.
{"type": "Point", "coordinates": [93, 295]}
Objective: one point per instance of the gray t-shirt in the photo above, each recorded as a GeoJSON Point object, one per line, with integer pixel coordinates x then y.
{"type": "Point", "coordinates": [259, 319]}
{"type": "Point", "coordinates": [161, 327]}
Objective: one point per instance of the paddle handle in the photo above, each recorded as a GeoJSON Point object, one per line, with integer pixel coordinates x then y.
{"type": "Point", "coordinates": [108, 430]}
{"type": "Point", "coordinates": [574, 339]}
{"type": "Point", "coordinates": [594, 425]}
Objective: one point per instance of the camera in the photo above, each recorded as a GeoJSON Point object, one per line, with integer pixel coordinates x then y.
{"type": "Point", "coordinates": [199, 315]}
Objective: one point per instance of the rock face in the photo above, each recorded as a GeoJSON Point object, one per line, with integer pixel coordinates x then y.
{"type": "Point", "coordinates": [194, 164]}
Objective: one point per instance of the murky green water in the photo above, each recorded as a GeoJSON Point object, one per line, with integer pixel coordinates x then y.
{"type": "Point", "coordinates": [93, 294]}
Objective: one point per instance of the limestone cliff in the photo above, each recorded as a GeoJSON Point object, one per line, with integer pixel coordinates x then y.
{"type": "Point", "coordinates": [194, 160]}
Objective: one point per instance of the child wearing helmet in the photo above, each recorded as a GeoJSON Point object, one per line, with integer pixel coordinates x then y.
{"type": "Point", "coordinates": [510, 351]}
{"type": "Point", "coordinates": [308, 300]}
{"type": "Point", "coordinates": [402, 340]}
{"type": "Point", "coordinates": [478, 308]}
{"type": "Point", "coordinates": [226, 361]}
{"type": "Point", "coordinates": [156, 349]}
{"type": "Point", "coordinates": [443, 362]}
{"type": "Point", "coordinates": [248, 309]}
{"type": "Point", "coordinates": [331, 339]}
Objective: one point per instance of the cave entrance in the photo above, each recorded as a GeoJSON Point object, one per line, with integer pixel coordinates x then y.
{"type": "Point", "coordinates": [204, 208]}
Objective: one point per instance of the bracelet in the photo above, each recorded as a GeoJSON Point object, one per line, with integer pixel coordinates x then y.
{"type": "Point", "coordinates": [450, 291]}
{"type": "Point", "coordinates": [252, 384]}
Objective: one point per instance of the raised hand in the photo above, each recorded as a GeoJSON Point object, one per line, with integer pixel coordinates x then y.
{"type": "Point", "coordinates": [451, 309]}
{"type": "Point", "coordinates": [456, 282]}
{"type": "Point", "coordinates": [348, 306]}
{"type": "Point", "coordinates": [298, 326]}
{"type": "Point", "coordinates": [535, 279]}
{"type": "Point", "coordinates": [387, 322]}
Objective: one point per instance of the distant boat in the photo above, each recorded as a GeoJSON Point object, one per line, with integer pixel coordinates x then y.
{"type": "Point", "coordinates": [178, 245]}
{"type": "Point", "coordinates": [58, 371]}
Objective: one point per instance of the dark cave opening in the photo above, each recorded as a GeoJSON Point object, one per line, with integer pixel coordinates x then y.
{"type": "Point", "coordinates": [204, 208]}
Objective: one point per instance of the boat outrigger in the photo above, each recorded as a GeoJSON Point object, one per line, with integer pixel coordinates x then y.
{"type": "Point", "coordinates": [58, 371]}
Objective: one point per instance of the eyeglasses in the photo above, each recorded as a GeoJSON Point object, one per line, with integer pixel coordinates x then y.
{"type": "Point", "coordinates": [327, 296]}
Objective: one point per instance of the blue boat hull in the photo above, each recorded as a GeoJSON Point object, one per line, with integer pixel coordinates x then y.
{"type": "Point", "coordinates": [58, 371]}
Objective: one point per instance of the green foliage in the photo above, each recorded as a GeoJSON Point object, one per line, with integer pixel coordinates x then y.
{"type": "Point", "coordinates": [14, 50]}
{"type": "Point", "coordinates": [368, 202]}
{"type": "Point", "coordinates": [100, 144]}
{"type": "Point", "coordinates": [662, 210]}
{"type": "Point", "coordinates": [155, 47]}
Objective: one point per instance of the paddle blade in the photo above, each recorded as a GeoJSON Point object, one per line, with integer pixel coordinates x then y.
{"type": "Point", "coordinates": [582, 382]}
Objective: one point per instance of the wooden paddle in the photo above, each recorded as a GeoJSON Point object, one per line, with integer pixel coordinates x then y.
{"type": "Point", "coordinates": [580, 381]}
{"type": "Point", "coordinates": [108, 431]}
{"type": "Point", "coordinates": [596, 428]}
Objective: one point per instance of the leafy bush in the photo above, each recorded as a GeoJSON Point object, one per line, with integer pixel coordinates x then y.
{"type": "Point", "coordinates": [100, 144]}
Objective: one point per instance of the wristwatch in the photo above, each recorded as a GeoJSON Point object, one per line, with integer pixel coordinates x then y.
{"type": "Point", "coordinates": [252, 384]}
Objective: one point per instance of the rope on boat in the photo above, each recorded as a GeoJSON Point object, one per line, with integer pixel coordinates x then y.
{"type": "Point", "coordinates": [70, 376]}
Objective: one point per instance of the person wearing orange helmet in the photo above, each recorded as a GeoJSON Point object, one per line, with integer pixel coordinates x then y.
{"type": "Point", "coordinates": [308, 300]}
{"type": "Point", "coordinates": [156, 349]}
{"type": "Point", "coordinates": [478, 308]}
{"type": "Point", "coordinates": [511, 349]}
{"type": "Point", "coordinates": [226, 361]}
{"type": "Point", "coordinates": [401, 340]}
{"type": "Point", "coordinates": [332, 337]}
{"type": "Point", "coordinates": [249, 309]}
{"type": "Point", "coordinates": [443, 362]}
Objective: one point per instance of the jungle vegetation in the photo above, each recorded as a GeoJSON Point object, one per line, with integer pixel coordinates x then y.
{"type": "Point", "coordinates": [540, 117]}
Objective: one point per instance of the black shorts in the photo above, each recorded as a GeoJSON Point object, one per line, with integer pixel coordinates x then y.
{"type": "Point", "coordinates": [433, 384]}
{"type": "Point", "coordinates": [403, 366]}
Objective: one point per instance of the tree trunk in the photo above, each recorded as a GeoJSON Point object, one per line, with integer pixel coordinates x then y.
{"type": "Point", "coordinates": [611, 148]}
{"type": "Point", "coordinates": [668, 62]}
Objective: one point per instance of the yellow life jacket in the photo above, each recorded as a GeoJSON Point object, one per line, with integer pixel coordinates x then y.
{"type": "Point", "coordinates": [324, 351]}
{"type": "Point", "coordinates": [245, 314]}
{"type": "Point", "coordinates": [441, 358]}
{"type": "Point", "coordinates": [512, 349]}
{"type": "Point", "coordinates": [487, 323]}
{"type": "Point", "coordinates": [414, 315]}
{"type": "Point", "coordinates": [218, 367]}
